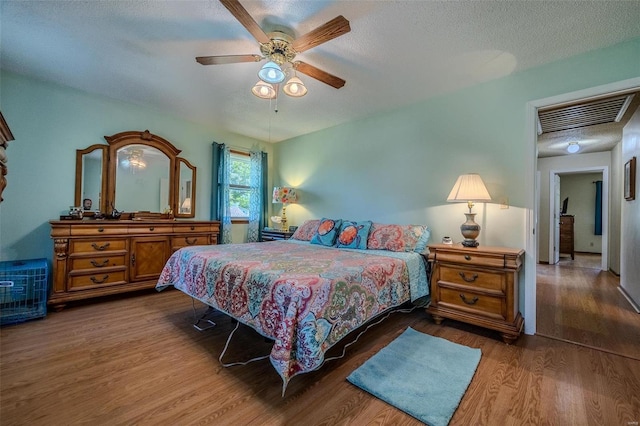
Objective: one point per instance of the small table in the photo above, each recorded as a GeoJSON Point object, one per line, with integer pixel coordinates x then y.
{"type": "Point", "coordinates": [274, 235]}
{"type": "Point", "coordinates": [477, 285]}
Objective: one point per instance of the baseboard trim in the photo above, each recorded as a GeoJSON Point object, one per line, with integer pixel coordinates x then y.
{"type": "Point", "coordinates": [633, 304]}
{"type": "Point", "coordinates": [595, 348]}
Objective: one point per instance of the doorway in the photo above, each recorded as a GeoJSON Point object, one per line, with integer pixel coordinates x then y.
{"type": "Point", "coordinates": [533, 187]}
{"type": "Point", "coordinates": [584, 226]}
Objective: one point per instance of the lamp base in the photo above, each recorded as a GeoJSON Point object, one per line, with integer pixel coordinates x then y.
{"type": "Point", "coordinates": [470, 243]}
{"type": "Point", "coordinates": [470, 231]}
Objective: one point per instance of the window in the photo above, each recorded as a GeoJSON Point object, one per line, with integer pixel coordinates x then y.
{"type": "Point", "coordinates": [239, 178]}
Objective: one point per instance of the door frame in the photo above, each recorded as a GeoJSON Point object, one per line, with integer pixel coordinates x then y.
{"type": "Point", "coordinates": [531, 135]}
{"type": "Point", "coordinates": [553, 209]}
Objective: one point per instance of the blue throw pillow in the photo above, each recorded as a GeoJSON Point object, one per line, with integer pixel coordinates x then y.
{"type": "Point", "coordinates": [327, 232]}
{"type": "Point", "coordinates": [354, 234]}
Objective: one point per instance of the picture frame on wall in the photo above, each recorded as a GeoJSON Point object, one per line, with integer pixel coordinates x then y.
{"type": "Point", "coordinates": [630, 179]}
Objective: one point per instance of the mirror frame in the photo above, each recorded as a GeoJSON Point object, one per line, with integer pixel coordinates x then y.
{"type": "Point", "coordinates": [191, 167]}
{"type": "Point", "coordinates": [80, 153]}
{"type": "Point", "coordinates": [109, 166]}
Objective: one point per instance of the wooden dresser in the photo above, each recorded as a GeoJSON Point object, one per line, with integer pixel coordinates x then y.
{"type": "Point", "coordinates": [100, 257]}
{"type": "Point", "coordinates": [478, 286]}
{"type": "Point", "coordinates": [566, 235]}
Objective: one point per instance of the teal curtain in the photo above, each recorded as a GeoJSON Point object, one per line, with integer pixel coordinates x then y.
{"type": "Point", "coordinates": [220, 190]}
{"type": "Point", "coordinates": [264, 218]}
{"type": "Point", "coordinates": [598, 218]}
{"type": "Point", "coordinates": [255, 196]}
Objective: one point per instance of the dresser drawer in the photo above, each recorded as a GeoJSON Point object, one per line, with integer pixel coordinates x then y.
{"type": "Point", "coordinates": [151, 229]}
{"type": "Point", "coordinates": [472, 277]}
{"type": "Point", "coordinates": [97, 246]}
{"type": "Point", "coordinates": [97, 279]}
{"type": "Point", "coordinates": [180, 241]}
{"type": "Point", "coordinates": [89, 230]}
{"type": "Point", "coordinates": [480, 304]}
{"type": "Point", "coordinates": [93, 262]}
{"type": "Point", "coordinates": [187, 228]}
{"type": "Point", "coordinates": [475, 259]}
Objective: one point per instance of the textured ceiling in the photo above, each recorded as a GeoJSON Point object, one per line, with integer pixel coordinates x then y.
{"type": "Point", "coordinates": [397, 53]}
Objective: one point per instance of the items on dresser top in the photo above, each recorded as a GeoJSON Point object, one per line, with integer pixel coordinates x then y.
{"type": "Point", "coordinates": [94, 258]}
{"type": "Point", "coordinates": [478, 286]}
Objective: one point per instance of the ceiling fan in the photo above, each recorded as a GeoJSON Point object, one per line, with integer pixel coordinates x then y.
{"type": "Point", "coordinates": [280, 49]}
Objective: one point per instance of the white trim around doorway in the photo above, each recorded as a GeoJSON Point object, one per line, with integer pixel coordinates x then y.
{"type": "Point", "coordinates": [531, 137]}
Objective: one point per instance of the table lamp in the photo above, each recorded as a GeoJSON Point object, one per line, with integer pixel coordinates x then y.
{"type": "Point", "coordinates": [284, 195]}
{"type": "Point", "coordinates": [469, 188]}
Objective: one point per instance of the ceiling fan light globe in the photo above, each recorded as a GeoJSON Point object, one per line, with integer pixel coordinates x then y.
{"type": "Point", "coordinates": [271, 73]}
{"type": "Point", "coordinates": [264, 90]}
{"type": "Point", "coordinates": [295, 87]}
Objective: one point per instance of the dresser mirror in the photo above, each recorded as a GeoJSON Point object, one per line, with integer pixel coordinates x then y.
{"type": "Point", "coordinates": [135, 172]}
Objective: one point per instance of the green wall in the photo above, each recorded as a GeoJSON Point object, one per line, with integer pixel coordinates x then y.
{"type": "Point", "coordinates": [399, 166]}
{"type": "Point", "coordinates": [49, 122]}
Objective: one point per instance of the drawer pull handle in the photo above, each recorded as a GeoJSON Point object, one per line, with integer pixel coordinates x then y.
{"type": "Point", "coordinates": [469, 280]}
{"type": "Point", "coordinates": [468, 302]}
{"type": "Point", "coordinates": [467, 257]}
{"type": "Point", "coordinates": [100, 265]}
{"type": "Point", "coordinates": [151, 228]}
{"type": "Point", "coordinates": [97, 281]}
{"type": "Point", "coordinates": [100, 229]}
{"type": "Point", "coordinates": [100, 248]}
{"type": "Point", "coordinates": [133, 259]}
{"type": "Point", "coordinates": [191, 242]}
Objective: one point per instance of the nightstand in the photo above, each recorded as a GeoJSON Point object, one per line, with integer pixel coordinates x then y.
{"type": "Point", "coordinates": [477, 285]}
{"type": "Point", "coordinates": [274, 234]}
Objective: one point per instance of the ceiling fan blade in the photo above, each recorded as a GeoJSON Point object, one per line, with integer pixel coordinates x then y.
{"type": "Point", "coordinates": [328, 31]}
{"type": "Point", "coordinates": [227, 59]}
{"type": "Point", "coordinates": [245, 19]}
{"type": "Point", "coordinates": [319, 75]}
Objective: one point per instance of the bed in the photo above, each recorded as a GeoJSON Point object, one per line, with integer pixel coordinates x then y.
{"type": "Point", "coordinates": [304, 295]}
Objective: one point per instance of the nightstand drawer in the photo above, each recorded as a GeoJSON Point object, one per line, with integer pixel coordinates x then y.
{"type": "Point", "coordinates": [481, 304]}
{"type": "Point", "coordinates": [475, 259]}
{"type": "Point", "coordinates": [472, 277]}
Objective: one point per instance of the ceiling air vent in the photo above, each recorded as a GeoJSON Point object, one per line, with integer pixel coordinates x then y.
{"type": "Point", "coordinates": [600, 111]}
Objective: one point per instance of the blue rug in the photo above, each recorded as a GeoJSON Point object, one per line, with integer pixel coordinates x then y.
{"type": "Point", "coordinates": [422, 375]}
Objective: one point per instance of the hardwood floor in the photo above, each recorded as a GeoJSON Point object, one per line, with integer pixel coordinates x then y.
{"type": "Point", "coordinates": [580, 303]}
{"type": "Point", "coordinates": [137, 360]}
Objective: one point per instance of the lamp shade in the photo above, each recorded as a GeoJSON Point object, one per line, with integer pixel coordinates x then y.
{"type": "Point", "coordinates": [284, 194]}
{"type": "Point", "coordinates": [264, 90]}
{"type": "Point", "coordinates": [469, 187]}
{"type": "Point", "coordinates": [271, 73]}
{"type": "Point", "coordinates": [295, 87]}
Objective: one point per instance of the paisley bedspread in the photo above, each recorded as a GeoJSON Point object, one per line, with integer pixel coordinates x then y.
{"type": "Point", "coordinates": [305, 297]}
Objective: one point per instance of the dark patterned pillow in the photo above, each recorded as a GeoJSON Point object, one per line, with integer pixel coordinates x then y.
{"type": "Point", "coordinates": [307, 230]}
{"type": "Point", "coordinates": [354, 234]}
{"type": "Point", "coordinates": [327, 232]}
{"type": "Point", "coordinates": [398, 237]}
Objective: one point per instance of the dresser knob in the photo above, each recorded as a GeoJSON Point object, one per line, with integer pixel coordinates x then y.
{"type": "Point", "coordinates": [100, 229]}
{"type": "Point", "coordinates": [100, 248]}
{"type": "Point", "coordinates": [97, 281]}
{"type": "Point", "coordinates": [470, 279]}
{"type": "Point", "coordinates": [193, 227]}
{"type": "Point", "coordinates": [151, 228]}
{"type": "Point", "coordinates": [468, 302]}
{"type": "Point", "coordinates": [467, 257]}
